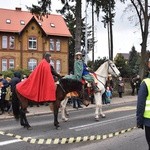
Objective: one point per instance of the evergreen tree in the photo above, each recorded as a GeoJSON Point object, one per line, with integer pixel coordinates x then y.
{"type": "Point", "coordinates": [122, 65]}
{"type": "Point", "coordinates": [134, 62]}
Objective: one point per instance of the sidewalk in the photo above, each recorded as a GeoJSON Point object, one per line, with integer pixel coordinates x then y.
{"type": "Point", "coordinates": [42, 109]}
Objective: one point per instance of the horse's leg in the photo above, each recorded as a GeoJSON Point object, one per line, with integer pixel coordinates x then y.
{"type": "Point", "coordinates": [24, 105]}
{"type": "Point", "coordinates": [97, 103]}
{"type": "Point", "coordinates": [23, 119]}
{"type": "Point", "coordinates": [98, 108]}
{"type": "Point", "coordinates": [63, 109]}
{"type": "Point", "coordinates": [56, 106]}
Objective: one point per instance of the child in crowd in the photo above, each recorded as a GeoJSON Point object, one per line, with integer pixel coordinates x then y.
{"type": "Point", "coordinates": [108, 95]}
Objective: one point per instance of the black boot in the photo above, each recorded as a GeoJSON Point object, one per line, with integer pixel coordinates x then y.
{"type": "Point", "coordinates": [95, 88]}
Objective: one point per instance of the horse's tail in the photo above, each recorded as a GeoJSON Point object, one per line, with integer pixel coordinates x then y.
{"type": "Point", "coordinates": [15, 104]}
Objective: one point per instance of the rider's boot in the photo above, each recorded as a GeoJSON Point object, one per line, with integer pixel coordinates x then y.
{"type": "Point", "coordinates": [95, 88]}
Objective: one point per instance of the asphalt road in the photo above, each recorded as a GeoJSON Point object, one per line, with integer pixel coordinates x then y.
{"type": "Point", "coordinates": [80, 132]}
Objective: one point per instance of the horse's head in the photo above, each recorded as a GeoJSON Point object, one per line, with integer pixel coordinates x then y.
{"type": "Point", "coordinates": [108, 67]}
{"type": "Point", "coordinates": [112, 69]}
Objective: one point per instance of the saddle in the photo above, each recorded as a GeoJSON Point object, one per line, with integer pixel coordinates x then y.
{"type": "Point", "coordinates": [91, 87]}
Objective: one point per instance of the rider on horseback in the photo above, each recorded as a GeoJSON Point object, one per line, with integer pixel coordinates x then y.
{"type": "Point", "coordinates": [81, 71]}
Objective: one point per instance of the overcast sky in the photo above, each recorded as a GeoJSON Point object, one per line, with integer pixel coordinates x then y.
{"type": "Point", "coordinates": [125, 34]}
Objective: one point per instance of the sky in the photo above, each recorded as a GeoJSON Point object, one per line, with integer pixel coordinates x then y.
{"type": "Point", "coordinates": [125, 34]}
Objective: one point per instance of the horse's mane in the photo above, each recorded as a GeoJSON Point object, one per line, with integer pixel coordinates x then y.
{"type": "Point", "coordinates": [71, 83]}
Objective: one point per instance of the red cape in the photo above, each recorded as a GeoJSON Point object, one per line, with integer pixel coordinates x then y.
{"type": "Point", "coordinates": [40, 85]}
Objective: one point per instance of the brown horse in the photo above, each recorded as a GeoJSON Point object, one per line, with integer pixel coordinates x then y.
{"type": "Point", "coordinates": [65, 86]}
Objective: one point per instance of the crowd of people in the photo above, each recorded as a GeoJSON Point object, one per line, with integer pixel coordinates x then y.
{"type": "Point", "coordinates": [7, 86]}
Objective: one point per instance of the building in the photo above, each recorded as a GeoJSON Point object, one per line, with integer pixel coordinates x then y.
{"type": "Point", "coordinates": [125, 55]}
{"type": "Point", "coordinates": [24, 38]}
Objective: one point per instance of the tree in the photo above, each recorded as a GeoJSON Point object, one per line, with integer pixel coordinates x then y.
{"type": "Point", "coordinates": [70, 18]}
{"type": "Point", "coordinates": [107, 6]}
{"type": "Point", "coordinates": [122, 65]}
{"type": "Point", "coordinates": [134, 62]}
{"type": "Point", "coordinates": [142, 9]}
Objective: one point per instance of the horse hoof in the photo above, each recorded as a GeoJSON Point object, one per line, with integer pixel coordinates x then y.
{"type": "Point", "coordinates": [96, 119]}
{"type": "Point", "coordinates": [67, 115]}
{"type": "Point", "coordinates": [29, 128]}
{"type": "Point", "coordinates": [103, 115]}
{"type": "Point", "coordinates": [22, 124]}
{"type": "Point", "coordinates": [58, 127]}
{"type": "Point", "coordinates": [65, 119]}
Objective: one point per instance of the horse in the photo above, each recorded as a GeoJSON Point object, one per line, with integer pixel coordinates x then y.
{"type": "Point", "coordinates": [100, 75]}
{"type": "Point", "coordinates": [63, 87]}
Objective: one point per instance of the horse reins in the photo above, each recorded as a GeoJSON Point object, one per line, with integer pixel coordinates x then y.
{"type": "Point", "coordinates": [62, 87]}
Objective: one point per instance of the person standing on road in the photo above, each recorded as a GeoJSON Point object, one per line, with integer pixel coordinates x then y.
{"type": "Point", "coordinates": [4, 84]}
{"type": "Point", "coordinates": [143, 107]}
{"type": "Point", "coordinates": [120, 87]}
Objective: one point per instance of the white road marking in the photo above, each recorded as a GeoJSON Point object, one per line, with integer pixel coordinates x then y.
{"type": "Point", "coordinates": [87, 126]}
{"type": "Point", "coordinates": [10, 142]}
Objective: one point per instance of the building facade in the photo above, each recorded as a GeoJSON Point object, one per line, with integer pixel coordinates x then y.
{"type": "Point", "coordinates": [24, 39]}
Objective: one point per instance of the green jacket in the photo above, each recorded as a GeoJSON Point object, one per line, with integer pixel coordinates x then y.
{"type": "Point", "coordinates": [78, 69]}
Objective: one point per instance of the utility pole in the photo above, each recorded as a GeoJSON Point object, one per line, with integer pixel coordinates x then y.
{"type": "Point", "coordinates": [110, 32]}
{"type": "Point", "coordinates": [93, 32]}
{"type": "Point", "coordinates": [86, 5]}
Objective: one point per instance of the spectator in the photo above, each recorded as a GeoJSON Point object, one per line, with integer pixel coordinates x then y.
{"type": "Point", "coordinates": [108, 95]}
{"type": "Point", "coordinates": [14, 81]}
{"type": "Point", "coordinates": [120, 87]}
{"type": "Point", "coordinates": [110, 83]}
{"type": "Point", "coordinates": [4, 85]}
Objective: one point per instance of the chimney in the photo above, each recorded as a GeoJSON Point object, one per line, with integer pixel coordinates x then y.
{"type": "Point", "coordinates": [18, 9]}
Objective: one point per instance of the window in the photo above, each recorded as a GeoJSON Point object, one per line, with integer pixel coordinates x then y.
{"type": "Point", "coordinates": [32, 63]}
{"type": "Point", "coordinates": [22, 22]}
{"type": "Point", "coordinates": [4, 42]}
{"type": "Point", "coordinates": [51, 45]}
{"type": "Point", "coordinates": [11, 42]}
{"type": "Point", "coordinates": [57, 45]}
{"type": "Point", "coordinates": [52, 25]}
{"type": "Point", "coordinates": [52, 63]}
{"type": "Point", "coordinates": [7, 64]}
{"type": "Point", "coordinates": [11, 63]}
{"type": "Point", "coordinates": [4, 64]}
{"type": "Point", "coordinates": [8, 40]}
{"type": "Point", "coordinates": [32, 43]}
{"type": "Point", "coordinates": [8, 21]}
{"type": "Point", "coordinates": [58, 66]}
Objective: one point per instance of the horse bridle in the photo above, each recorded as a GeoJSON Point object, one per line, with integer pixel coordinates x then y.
{"type": "Point", "coordinates": [109, 65]}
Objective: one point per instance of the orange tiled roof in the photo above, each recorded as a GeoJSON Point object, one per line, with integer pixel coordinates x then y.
{"type": "Point", "coordinates": [16, 16]}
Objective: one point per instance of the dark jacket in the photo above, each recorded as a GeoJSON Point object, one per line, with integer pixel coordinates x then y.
{"type": "Point", "coordinates": [142, 95]}
{"type": "Point", "coordinates": [5, 85]}
{"type": "Point", "coordinates": [120, 86]}
{"type": "Point", "coordinates": [15, 80]}
{"type": "Point", "coordinates": [56, 76]}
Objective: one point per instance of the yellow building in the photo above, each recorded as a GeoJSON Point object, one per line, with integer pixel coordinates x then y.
{"type": "Point", "coordinates": [24, 39]}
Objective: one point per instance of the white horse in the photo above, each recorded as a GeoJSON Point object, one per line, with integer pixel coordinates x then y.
{"type": "Point", "coordinates": [101, 73]}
